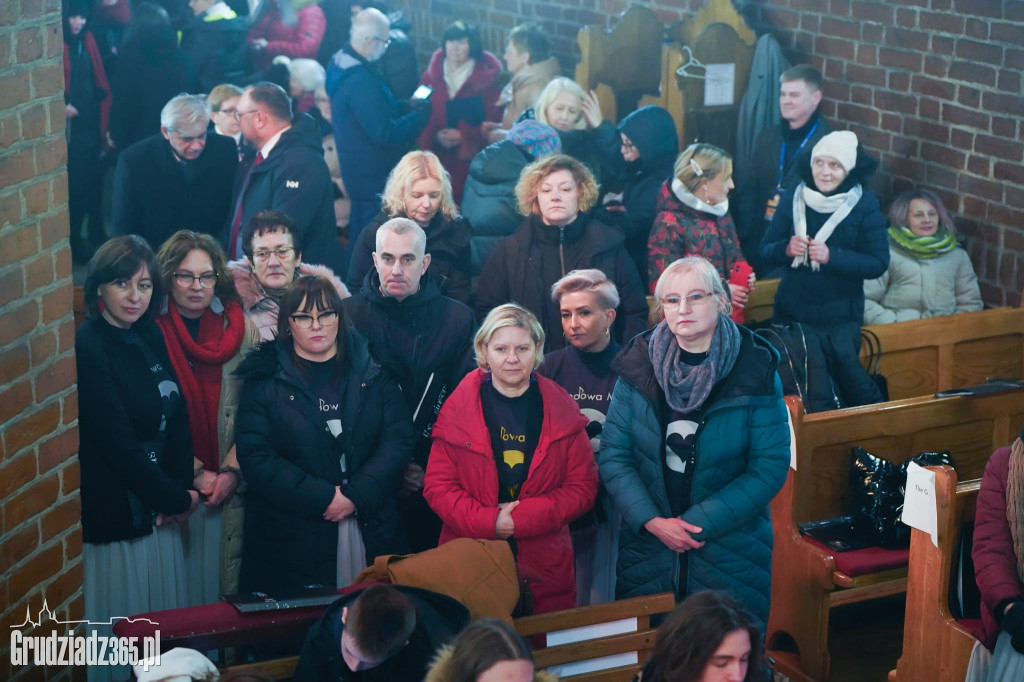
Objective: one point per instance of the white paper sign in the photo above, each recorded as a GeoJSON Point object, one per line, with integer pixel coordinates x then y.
{"type": "Point", "coordinates": [919, 504]}
{"type": "Point", "coordinates": [719, 85]}
{"type": "Point", "coordinates": [792, 439]}
{"type": "Point", "coordinates": [586, 632]}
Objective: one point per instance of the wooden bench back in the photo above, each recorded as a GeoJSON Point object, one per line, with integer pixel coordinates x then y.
{"type": "Point", "coordinates": [640, 641]}
{"type": "Point", "coordinates": [920, 357]}
{"type": "Point", "coordinates": [970, 427]}
{"type": "Point", "coordinates": [935, 646]}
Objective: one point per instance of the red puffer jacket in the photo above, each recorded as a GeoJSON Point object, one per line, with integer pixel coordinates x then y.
{"type": "Point", "coordinates": [462, 486]}
{"type": "Point", "coordinates": [995, 566]}
{"type": "Point", "coordinates": [302, 40]}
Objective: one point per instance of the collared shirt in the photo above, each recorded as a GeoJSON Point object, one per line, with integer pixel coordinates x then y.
{"type": "Point", "coordinates": [272, 142]}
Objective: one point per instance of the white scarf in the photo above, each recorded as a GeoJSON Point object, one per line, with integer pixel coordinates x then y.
{"type": "Point", "coordinates": [454, 79]}
{"type": "Point", "coordinates": [839, 205]}
{"type": "Point", "coordinates": [693, 202]}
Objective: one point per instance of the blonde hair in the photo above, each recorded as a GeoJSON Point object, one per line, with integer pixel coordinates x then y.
{"type": "Point", "coordinates": [222, 93]}
{"type": "Point", "coordinates": [534, 174]}
{"type": "Point", "coordinates": [413, 167]}
{"type": "Point", "coordinates": [711, 160]}
{"type": "Point", "coordinates": [706, 273]}
{"type": "Point", "coordinates": [592, 280]}
{"type": "Point", "coordinates": [508, 315]}
{"type": "Point", "coordinates": [554, 88]}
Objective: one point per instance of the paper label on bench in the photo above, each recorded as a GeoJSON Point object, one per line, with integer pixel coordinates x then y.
{"type": "Point", "coordinates": [582, 634]}
{"type": "Point", "coordinates": [594, 664]}
{"type": "Point", "coordinates": [792, 440]}
{"type": "Point", "coordinates": [919, 503]}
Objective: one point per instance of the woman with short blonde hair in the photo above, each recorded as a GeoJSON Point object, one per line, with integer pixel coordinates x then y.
{"type": "Point", "coordinates": [557, 235]}
{"type": "Point", "coordinates": [511, 459]}
{"type": "Point", "coordinates": [419, 188]}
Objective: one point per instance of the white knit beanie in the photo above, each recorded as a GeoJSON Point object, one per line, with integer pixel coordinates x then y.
{"type": "Point", "coordinates": [841, 146]}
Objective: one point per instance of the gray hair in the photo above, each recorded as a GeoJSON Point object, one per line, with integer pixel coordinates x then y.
{"type": "Point", "coordinates": [185, 111]}
{"type": "Point", "coordinates": [308, 72]}
{"type": "Point", "coordinates": [592, 280]}
{"type": "Point", "coordinates": [403, 226]}
{"type": "Point", "coordinates": [365, 25]}
{"type": "Point", "coordinates": [706, 273]}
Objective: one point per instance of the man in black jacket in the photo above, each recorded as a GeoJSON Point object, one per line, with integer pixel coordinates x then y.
{"type": "Point", "coordinates": [180, 179]}
{"type": "Point", "coordinates": [775, 166]}
{"type": "Point", "coordinates": [383, 633]}
{"type": "Point", "coordinates": [423, 339]}
{"type": "Point", "coordinates": [288, 174]}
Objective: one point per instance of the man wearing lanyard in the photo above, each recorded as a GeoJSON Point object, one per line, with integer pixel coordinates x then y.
{"type": "Point", "coordinates": [774, 166]}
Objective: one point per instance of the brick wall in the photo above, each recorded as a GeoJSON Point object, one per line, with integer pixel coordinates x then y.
{"type": "Point", "coordinates": [932, 87]}
{"type": "Point", "coordinates": [40, 536]}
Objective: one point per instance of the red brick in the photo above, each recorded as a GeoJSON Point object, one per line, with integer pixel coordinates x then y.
{"type": "Point", "coordinates": [940, 176]}
{"type": "Point", "coordinates": [900, 59]}
{"type": "Point", "coordinates": [53, 228]}
{"type": "Point", "coordinates": [976, 28]}
{"type": "Point", "coordinates": [969, 97]}
{"type": "Point", "coordinates": [33, 122]}
{"type": "Point", "coordinates": [1004, 149]}
{"type": "Point", "coordinates": [974, 206]}
{"type": "Point", "coordinates": [31, 428]}
{"type": "Point", "coordinates": [16, 399]}
{"type": "Point", "coordinates": [906, 39]}
{"type": "Point", "coordinates": [69, 407]}
{"type": "Point", "coordinates": [976, 74]}
{"type": "Point", "coordinates": [936, 66]}
{"type": "Point", "coordinates": [37, 197]}
{"type": "Point", "coordinates": [979, 165]}
{"type": "Point", "coordinates": [965, 117]}
{"type": "Point", "coordinates": [1014, 197]}
{"type": "Point", "coordinates": [31, 500]}
{"type": "Point", "coordinates": [12, 285]}
{"type": "Point", "coordinates": [16, 473]}
{"type": "Point", "coordinates": [1008, 270]}
{"type": "Point", "coordinates": [925, 130]}
{"type": "Point", "coordinates": [70, 477]}
{"type": "Point", "coordinates": [871, 33]}
{"type": "Point", "coordinates": [56, 378]}
{"type": "Point", "coordinates": [811, 22]}
{"type": "Point", "coordinates": [16, 166]}
{"type": "Point", "coordinates": [51, 155]}
{"type": "Point", "coordinates": [867, 54]}
{"type": "Point", "coordinates": [14, 362]}
{"type": "Point", "coordinates": [5, 50]}
{"type": "Point", "coordinates": [38, 273]}
{"type": "Point", "coordinates": [975, 51]}
{"type": "Point", "coordinates": [838, 48]}
{"type": "Point", "coordinates": [929, 108]}
{"type": "Point", "coordinates": [16, 245]}
{"type": "Point", "coordinates": [48, 79]}
{"type": "Point", "coordinates": [67, 583]}
{"type": "Point", "coordinates": [941, 44]}
{"type": "Point", "coordinates": [1010, 172]}
{"type": "Point", "coordinates": [933, 87]}
{"type": "Point", "coordinates": [66, 334]}
{"type": "Point", "coordinates": [941, 21]}
{"type": "Point", "coordinates": [1009, 81]}
{"type": "Point", "coordinates": [834, 69]}
{"type": "Point", "coordinates": [1004, 32]}
{"type": "Point", "coordinates": [61, 517]}
{"type": "Point", "coordinates": [779, 18]}
{"type": "Point", "coordinates": [18, 322]}
{"type": "Point", "coordinates": [54, 41]}
{"type": "Point", "coordinates": [871, 137]}
{"type": "Point", "coordinates": [879, 13]}
{"type": "Point", "coordinates": [857, 114]}
{"type": "Point", "coordinates": [982, 8]}
{"type": "Point", "coordinates": [10, 209]}
{"type": "Point", "coordinates": [56, 304]}
{"type": "Point", "coordinates": [936, 153]}
{"type": "Point", "coordinates": [899, 81]}
{"type": "Point", "coordinates": [19, 545]}
{"type": "Point", "coordinates": [1014, 59]}
{"type": "Point", "coordinates": [896, 101]}
{"type": "Point", "coordinates": [54, 451]}
{"type": "Point", "coordinates": [25, 578]}
{"type": "Point", "coordinates": [58, 119]}
{"type": "Point", "coordinates": [14, 89]}
{"type": "Point", "coordinates": [840, 28]}
{"type": "Point", "coordinates": [982, 188]}
{"type": "Point", "coordinates": [42, 347]}
{"type": "Point", "coordinates": [905, 146]}
{"type": "Point", "coordinates": [962, 139]}
{"type": "Point", "coordinates": [73, 546]}
{"type": "Point", "coordinates": [858, 95]}
{"type": "Point", "coordinates": [864, 75]}
{"type": "Point", "coordinates": [30, 44]}
{"type": "Point", "coordinates": [839, 8]}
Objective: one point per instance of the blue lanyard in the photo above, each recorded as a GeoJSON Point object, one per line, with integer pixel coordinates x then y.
{"type": "Point", "coordinates": [782, 152]}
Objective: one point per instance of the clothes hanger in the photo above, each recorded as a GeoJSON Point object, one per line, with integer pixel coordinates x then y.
{"type": "Point", "coordinates": [691, 63]}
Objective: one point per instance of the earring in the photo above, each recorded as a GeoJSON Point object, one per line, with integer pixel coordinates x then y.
{"type": "Point", "coordinates": [606, 332]}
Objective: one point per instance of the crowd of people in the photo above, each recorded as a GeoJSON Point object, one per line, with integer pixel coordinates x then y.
{"type": "Point", "coordinates": [269, 402]}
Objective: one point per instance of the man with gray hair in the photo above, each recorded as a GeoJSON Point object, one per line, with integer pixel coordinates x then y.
{"type": "Point", "coordinates": [372, 129]}
{"type": "Point", "coordinates": [179, 179]}
{"type": "Point", "coordinates": [423, 339]}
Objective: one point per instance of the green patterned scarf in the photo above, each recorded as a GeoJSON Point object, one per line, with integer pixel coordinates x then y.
{"type": "Point", "coordinates": [922, 247]}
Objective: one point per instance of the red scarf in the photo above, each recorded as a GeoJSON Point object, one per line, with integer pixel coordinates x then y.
{"type": "Point", "coordinates": [198, 365]}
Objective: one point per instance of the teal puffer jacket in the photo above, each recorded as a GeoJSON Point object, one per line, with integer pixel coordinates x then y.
{"type": "Point", "coordinates": [742, 458]}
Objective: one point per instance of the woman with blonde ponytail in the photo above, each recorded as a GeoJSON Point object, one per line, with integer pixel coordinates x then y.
{"type": "Point", "coordinates": [998, 554]}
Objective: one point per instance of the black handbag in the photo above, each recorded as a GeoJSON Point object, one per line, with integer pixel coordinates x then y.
{"type": "Point", "coordinates": [874, 358]}
{"type": "Point", "coordinates": [877, 487]}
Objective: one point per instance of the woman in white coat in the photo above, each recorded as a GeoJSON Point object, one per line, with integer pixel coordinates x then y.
{"type": "Point", "coordinates": [928, 275]}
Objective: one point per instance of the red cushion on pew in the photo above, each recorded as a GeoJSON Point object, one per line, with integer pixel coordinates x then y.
{"type": "Point", "coordinates": [974, 626]}
{"type": "Point", "coordinates": [863, 561]}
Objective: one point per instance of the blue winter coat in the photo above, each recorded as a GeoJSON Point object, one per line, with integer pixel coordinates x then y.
{"type": "Point", "coordinates": [742, 454]}
{"type": "Point", "coordinates": [372, 129]}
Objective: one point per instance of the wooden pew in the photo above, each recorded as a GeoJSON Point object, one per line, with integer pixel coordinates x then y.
{"type": "Point", "coordinates": [937, 647]}
{"type": "Point", "coordinates": [806, 581]}
{"type": "Point", "coordinates": [920, 357]}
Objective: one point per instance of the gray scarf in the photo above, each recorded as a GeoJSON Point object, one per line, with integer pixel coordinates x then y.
{"type": "Point", "coordinates": [686, 388]}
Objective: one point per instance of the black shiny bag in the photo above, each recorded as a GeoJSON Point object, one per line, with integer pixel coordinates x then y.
{"type": "Point", "coordinates": [877, 487]}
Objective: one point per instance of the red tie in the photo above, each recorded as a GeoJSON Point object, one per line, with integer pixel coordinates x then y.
{"type": "Point", "coordinates": [236, 224]}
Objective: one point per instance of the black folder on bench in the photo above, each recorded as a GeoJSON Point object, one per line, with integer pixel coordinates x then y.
{"type": "Point", "coordinates": [468, 109]}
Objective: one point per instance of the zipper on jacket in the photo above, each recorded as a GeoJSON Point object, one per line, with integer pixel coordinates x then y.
{"type": "Point", "coordinates": [561, 248]}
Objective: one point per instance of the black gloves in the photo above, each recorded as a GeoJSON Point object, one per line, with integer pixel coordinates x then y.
{"type": "Point", "coordinates": [1013, 624]}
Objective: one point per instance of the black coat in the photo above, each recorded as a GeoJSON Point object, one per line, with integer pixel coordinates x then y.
{"type": "Point", "coordinates": [447, 244]}
{"type": "Point", "coordinates": [153, 197]}
{"type": "Point", "coordinates": [757, 184]}
{"type": "Point", "coordinates": [295, 181]}
{"type": "Point", "coordinates": [119, 409]}
{"type": "Point", "coordinates": [489, 197]}
{"type": "Point", "coordinates": [291, 464]}
{"type": "Point", "coordinates": [523, 267]}
{"type": "Point", "coordinates": [216, 48]}
{"type": "Point", "coordinates": [858, 250]}
{"type": "Point", "coordinates": [427, 338]}
{"type": "Point", "coordinates": [438, 619]}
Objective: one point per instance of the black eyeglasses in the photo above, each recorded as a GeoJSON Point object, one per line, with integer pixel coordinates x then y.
{"type": "Point", "coordinates": [327, 319]}
{"type": "Point", "coordinates": [206, 281]}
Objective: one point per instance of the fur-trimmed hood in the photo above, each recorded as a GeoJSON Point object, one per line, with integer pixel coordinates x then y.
{"type": "Point", "coordinates": [439, 669]}
{"type": "Point", "coordinates": [252, 292]}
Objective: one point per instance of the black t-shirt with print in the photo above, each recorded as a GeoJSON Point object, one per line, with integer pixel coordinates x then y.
{"type": "Point", "coordinates": [326, 381]}
{"type": "Point", "coordinates": [514, 425]}
{"type": "Point", "coordinates": [680, 447]}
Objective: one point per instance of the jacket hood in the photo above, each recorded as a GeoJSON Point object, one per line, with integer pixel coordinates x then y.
{"type": "Point", "coordinates": [342, 66]}
{"type": "Point", "coordinates": [859, 175]}
{"type": "Point", "coordinates": [304, 131]}
{"type": "Point", "coordinates": [486, 69]}
{"type": "Point", "coordinates": [463, 422]}
{"type": "Point", "coordinates": [652, 131]}
{"type": "Point", "coordinates": [252, 292]}
{"type": "Point", "coordinates": [752, 375]}
{"type": "Point", "coordinates": [498, 163]}
{"type": "Point", "coordinates": [439, 671]}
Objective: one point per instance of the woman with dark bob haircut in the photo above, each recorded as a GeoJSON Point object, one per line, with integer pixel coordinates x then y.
{"type": "Point", "coordinates": [708, 638]}
{"type": "Point", "coordinates": [488, 650]}
{"type": "Point", "coordinates": [207, 336]}
{"type": "Point", "coordinates": [460, 69]}
{"type": "Point", "coordinates": [559, 234]}
{"type": "Point", "coordinates": [323, 437]}
{"type": "Point", "coordinates": [134, 450]}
